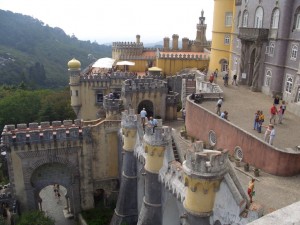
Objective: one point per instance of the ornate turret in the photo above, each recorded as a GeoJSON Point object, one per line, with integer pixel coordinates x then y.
{"type": "Point", "coordinates": [126, 209]}
{"type": "Point", "coordinates": [166, 44]}
{"type": "Point", "coordinates": [200, 41]}
{"type": "Point", "coordinates": [175, 42]}
{"type": "Point", "coordinates": [155, 142]}
{"type": "Point", "coordinates": [204, 170]}
{"type": "Point", "coordinates": [74, 73]}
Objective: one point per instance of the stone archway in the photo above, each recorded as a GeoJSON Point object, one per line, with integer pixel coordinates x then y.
{"type": "Point", "coordinates": [148, 105]}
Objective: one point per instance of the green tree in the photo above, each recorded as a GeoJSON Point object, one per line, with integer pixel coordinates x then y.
{"type": "Point", "coordinates": [35, 218]}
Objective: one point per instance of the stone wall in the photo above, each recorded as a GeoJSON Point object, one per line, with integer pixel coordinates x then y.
{"type": "Point", "coordinates": [200, 122]}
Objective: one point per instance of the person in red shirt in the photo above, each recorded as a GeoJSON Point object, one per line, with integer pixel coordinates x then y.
{"type": "Point", "coordinates": [273, 112]}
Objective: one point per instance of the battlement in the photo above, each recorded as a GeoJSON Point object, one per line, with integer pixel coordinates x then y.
{"type": "Point", "coordinates": [160, 137]}
{"type": "Point", "coordinates": [144, 84]}
{"type": "Point", "coordinates": [36, 133]}
{"type": "Point", "coordinates": [192, 55]}
{"type": "Point", "coordinates": [203, 163]}
{"type": "Point", "coordinates": [127, 44]}
{"type": "Point", "coordinates": [112, 104]}
{"type": "Point", "coordinates": [129, 119]}
{"type": "Point", "coordinates": [106, 77]}
{"type": "Point", "coordinates": [135, 57]}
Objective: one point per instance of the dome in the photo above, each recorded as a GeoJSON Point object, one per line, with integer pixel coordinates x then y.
{"type": "Point", "coordinates": [74, 64]}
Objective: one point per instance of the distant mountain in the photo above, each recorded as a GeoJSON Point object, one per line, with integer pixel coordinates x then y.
{"type": "Point", "coordinates": [36, 54]}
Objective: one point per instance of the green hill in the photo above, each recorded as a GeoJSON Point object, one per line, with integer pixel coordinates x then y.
{"type": "Point", "coordinates": [36, 54]}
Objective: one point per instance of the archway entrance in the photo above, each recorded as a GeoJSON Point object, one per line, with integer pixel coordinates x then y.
{"type": "Point", "coordinates": [56, 204]}
{"type": "Point", "coordinates": [148, 105]}
{"type": "Point", "coordinates": [251, 68]}
{"type": "Point", "coordinates": [64, 206]}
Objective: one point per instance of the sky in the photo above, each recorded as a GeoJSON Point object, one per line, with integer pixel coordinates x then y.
{"type": "Point", "coordinates": [106, 21]}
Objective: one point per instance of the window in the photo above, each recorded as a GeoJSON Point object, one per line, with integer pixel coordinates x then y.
{"type": "Point", "coordinates": [99, 97]}
{"type": "Point", "coordinates": [294, 52]}
{"type": "Point", "coordinates": [270, 49]}
{"type": "Point", "coordinates": [71, 92]}
{"type": "Point", "coordinates": [77, 93]}
{"type": "Point", "coordinates": [227, 40]}
{"type": "Point", "coordinates": [245, 19]}
{"type": "Point", "coordinates": [268, 78]}
{"type": "Point", "coordinates": [298, 21]}
{"type": "Point", "coordinates": [228, 19]}
{"type": "Point", "coordinates": [258, 23]}
{"type": "Point", "coordinates": [275, 19]}
{"type": "Point", "coordinates": [238, 20]}
{"type": "Point", "coordinates": [289, 84]}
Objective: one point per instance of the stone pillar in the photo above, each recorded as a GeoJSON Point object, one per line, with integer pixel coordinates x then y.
{"type": "Point", "coordinates": [166, 44]}
{"type": "Point", "coordinates": [126, 209]}
{"type": "Point", "coordinates": [203, 173]}
{"type": "Point", "coordinates": [185, 44]}
{"type": "Point", "coordinates": [154, 143]}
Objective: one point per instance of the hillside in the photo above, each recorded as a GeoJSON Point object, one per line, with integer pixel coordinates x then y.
{"type": "Point", "coordinates": [34, 53]}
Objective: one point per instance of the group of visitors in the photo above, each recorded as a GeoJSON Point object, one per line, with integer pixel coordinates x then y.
{"type": "Point", "coordinates": [259, 118]}
{"type": "Point", "coordinates": [151, 122]}
{"type": "Point", "coordinates": [277, 113]}
{"type": "Point", "coordinates": [56, 192]}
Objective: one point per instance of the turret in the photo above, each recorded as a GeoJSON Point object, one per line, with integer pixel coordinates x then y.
{"type": "Point", "coordinates": [74, 73]}
{"type": "Point", "coordinates": [185, 44]}
{"type": "Point", "coordinates": [175, 42]}
{"type": "Point", "coordinates": [204, 171]}
{"type": "Point", "coordinates": [138, 38]}
{"type": "Point", "coordinates": [126, 209]}
{"type": "Point", "coordinates": [155, 142]}
{"type": "Point", "coordinates": [112, 107]}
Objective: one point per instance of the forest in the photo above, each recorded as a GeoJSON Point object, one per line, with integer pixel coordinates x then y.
{"type": "Point", "coordinates": [36, 54]}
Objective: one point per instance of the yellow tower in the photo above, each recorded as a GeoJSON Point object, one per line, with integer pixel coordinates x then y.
{"type": "Point", "coordinates": [74, 73]}
{"type": "Point", "coordinates": [222, 34]}
{"type": "Point", "coordinates": [203, 173]}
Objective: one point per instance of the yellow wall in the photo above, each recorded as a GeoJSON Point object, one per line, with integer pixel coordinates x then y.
{"type": "Point", "coordinates": [218, 49]}
{"type": "Point", "coordinates": [172, 66]}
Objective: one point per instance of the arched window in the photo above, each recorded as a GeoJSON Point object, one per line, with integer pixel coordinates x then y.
{"type": "Point", "coordinates": [238, 20]}
{"type": "Point", "coordinates": [297, 19]}
{"type": "Point", "coordinates": [245, 18]}
{"type": "Point", "coordinates": [275, 19]}
{"type": "Point", "coordinates": [268, 78]}
{"type": "Point", "coordinates": [294, 52]}
{"type": "Point", "coordinates": [259, 14]}
{"type": "Point", "coordinates": [289, 84]}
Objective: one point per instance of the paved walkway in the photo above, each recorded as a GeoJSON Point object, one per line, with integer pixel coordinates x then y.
{"type": "Point", "coordinates": [241, 104]}
{"type": "Point", "coordinates": [54, 208]}
{"type": "Point", "coordinates": [272, 192]}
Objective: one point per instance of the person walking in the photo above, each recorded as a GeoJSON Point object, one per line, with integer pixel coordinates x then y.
{"type": "Point", "coordinates": [251, 191]}
{"type": "Point", "coordinates": [143, 114]}
{"type": "Point", "coordinates": [219, 105]}
{"type": "Point", "coordinates": [261, 120]}
{"type": "Point", "coordinates": [234, 80]}
{"type": "Point", "coordinates": [226, 78]}
{"type": "Point", "coordinates": [256, 120]}
{"type": "Point", "coordinates": [273, 112]}
{"type": "Point", "coordinates": [280, 115]}
{"type": "Point", "coordinates": [152, 123]}
{"type": "Point", "coordinates": [272, 135]}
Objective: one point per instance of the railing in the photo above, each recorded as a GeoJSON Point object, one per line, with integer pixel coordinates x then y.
{"type": "Point", "coordinates": [253, 34]}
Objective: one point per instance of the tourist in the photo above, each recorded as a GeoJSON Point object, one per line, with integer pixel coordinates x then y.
{"type": "Point", "coordinates": [234, 80]}
{"type": "Point", "coordinates": [251, 191]}
{"type": "Point", "coordinates": [216, 73]}
{"type": "Point", "coordinates": [273, 112]}
{"type": "Point", "coordinates": [224, 115]}
{"type": "Point", "coordinates": [183, 114]}
{"type": "Point", "coordinates": [256, 120]}
{"type": "Point", "coordinates": [226, 78]}
{"type": "Point", "coordinates": [280, 115]}
{"type": "Point", "coordinates": [219, 105]}
{"type": "Point", "coordinates": [152, 123]}
{"type": "Point", "coordinates": [261, 119]}
{"type": "Point", "coordinates": [276, 100]}
{"type": "Point", "coordinates": [283, 107]}
{"type": "Point", "coordinates": [211, 78]}
{"type": "Point", "coordinates": [143, 115]}
{"type": "Point", "coordinates": [269, 134]}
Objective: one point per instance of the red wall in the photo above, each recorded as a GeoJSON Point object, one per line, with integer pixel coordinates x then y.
{"type": "Point", "coordinates": [256, 152]}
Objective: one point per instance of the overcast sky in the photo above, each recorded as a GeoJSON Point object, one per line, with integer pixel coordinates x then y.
{"type": "Point", "coordinates": [106, 21]}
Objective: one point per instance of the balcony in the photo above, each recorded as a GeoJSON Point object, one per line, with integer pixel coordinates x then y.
{"type": "Point", "coordinates": [253, 34]}
{"type": "Point", "coordinates": [238, 2]}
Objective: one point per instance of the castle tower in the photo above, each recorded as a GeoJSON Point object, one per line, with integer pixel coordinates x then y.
{"type": "Point", "coordinates": [220, 51]}
{"type": "Point", "coordinates": [112, 108]}
{"type": "Point", "coordinates": [185, 44]}
{"type": "Point", "coordinates": [138, 38]}
{"type": "Point", "coordinates": [175, 42]}
{"type": "Point", "coordinates": [154, 143]}
{"type": "Point", "coordinates": [203, 173]}
{"type": "Point", "coordinates": [200, 42]}
{"type": "Point", "coordinates": [166, 44]}
{"type": "Point", "coordinates": [74, 73]}
{"type": "Point", "coordinates": [126, 209]}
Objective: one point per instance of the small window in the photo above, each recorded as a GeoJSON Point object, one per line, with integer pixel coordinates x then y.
{"type": "Point", "coordinates": [99, 97]}
{"type": "Point", "coordinates": [298, 95]}
{"type": "Point", "coordinates": [294, 52]}
{"type": "Point", "coordinates": [245, 19]}
{"type": "Point", "coordinates": [77, 93]}
{"type": "Point", "coordinates": [228, 19]}
{"type": "Point", "coordinates": [71, 92]}
{"type": "Point", "coordinates": [268, 78]}
{"type": "Point", "coordinates": [289, 84]}
{"type": "Point", "coordinates": [227, 40]}
{"type": "Point", "coordinates": [298, 22]}
{"type": "Point", "coordinates": [275, 19]}
{"type": "Point", "coordinates": [271, 48]}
